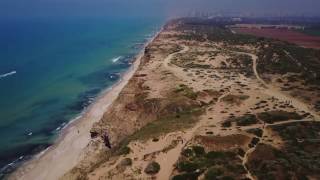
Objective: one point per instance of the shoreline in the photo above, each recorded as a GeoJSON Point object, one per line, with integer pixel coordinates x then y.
{"type": "Point", "coordinates": [71, 142]}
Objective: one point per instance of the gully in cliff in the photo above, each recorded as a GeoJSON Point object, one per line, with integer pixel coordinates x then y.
{"type": "Point", "coordinates": [105, 138]}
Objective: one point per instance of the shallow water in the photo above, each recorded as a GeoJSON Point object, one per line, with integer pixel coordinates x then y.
{"type": "Point", "coordinates": [52, 69]}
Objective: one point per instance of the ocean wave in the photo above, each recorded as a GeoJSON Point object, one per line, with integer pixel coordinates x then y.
{"type": "Point", "coordinates": [10, 166]}
{"type": "Point", "coordinates": [7, 74]}
{"type": "Point", "coordinates": [114, 60]}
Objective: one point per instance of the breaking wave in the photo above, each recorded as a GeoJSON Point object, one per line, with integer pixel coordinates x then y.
{"type": "Point", "coordinates": [7, 74]}
{"type": "Point", "coordinates": [116, 59]}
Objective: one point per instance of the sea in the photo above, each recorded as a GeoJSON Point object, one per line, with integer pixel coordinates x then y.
{"type": "Point", "coordinates": [52, 69]}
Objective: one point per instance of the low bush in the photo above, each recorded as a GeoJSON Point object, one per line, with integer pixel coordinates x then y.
{"type": "Point", "coordinates": [198, 150]}
{"type": "Point", "coordinates": [246, 120]}
{"type": "Point", "coordinates": [186, 176]}
{"type": "Point", "coordinates": [275, 116]}
{"type": "Point", "coordinates": [212, 173]}
{"type": "Point", "coordinates": [187, 166]}
{"type": "Point", "coordinates": [152, 168]}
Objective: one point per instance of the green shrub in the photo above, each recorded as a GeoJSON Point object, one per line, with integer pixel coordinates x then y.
{"type": "Point", "coordinates": [246, 120]}
{"type": "Point", "coordinates": [124, 150]}
{"type": "Point", "coordinates": [186, 91]}
{"type": "Point", "coordinates": [187, 152]}
{"type": "Point", "coordinates": [126, 162]}
{"type": "Point", "coordinates": [186, 176]}
{"type": "Point", "coordinates": [215, 155]}
{"type": "Point", "coordinates": [212, 173]}
{"type": "Point", "coordinates": [186, 166]}
{"type": "Point", "coordinates": [258, 132]}
{"type": "Point", "coordinates": [274, 116]}
{"type": "Point", "coordinates": [199, 150]}
{"type": "Point", "coordinates": [226, 123]}
{"type": "Point", "coordinates": [152, 168]}
{"type": "Point", "coordinates": [227, 178]}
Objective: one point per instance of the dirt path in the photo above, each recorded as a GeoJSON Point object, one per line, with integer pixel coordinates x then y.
{"type": "Point", "coordinates": [272, 91]}
{"type": "Point", "coordinates": [245, 160]}
{"type": "Point", "coordinates": [174, 69]}
{"type": "Point", "coordinates": [247, 153]}
{"type": "Point", "coordinates": [168, 159]}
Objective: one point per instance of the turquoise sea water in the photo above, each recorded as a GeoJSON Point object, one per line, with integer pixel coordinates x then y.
{"type": "Point", "coordinates": [51, 69]}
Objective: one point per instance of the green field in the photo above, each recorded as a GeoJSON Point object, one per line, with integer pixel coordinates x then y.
{"type": "Point", "coordinates": [314, 31]}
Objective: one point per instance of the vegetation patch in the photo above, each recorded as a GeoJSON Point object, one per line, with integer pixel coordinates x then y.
{"type": "Point", "coordinates": [213, 173]}
{"type": "Point", "coordinates": [186, 91]}
{"type": "Point", "coordinates": [256, 131]}
{"type": "Point", "coordinates": [298, 158]}
{"type": "Point", "coordinates": [246, 120]}
{"type": "Point", "coordinates": [234, 99]}
{"type": "Point", "coordinates": [227, 123]}
{"type": "Point", "coordinates": [276, 116]}
{"type": "Point", "coordinates": [281, 57]}
{"type": "Point", "coordinates": [125, 162]}
{"type": "Point", "coordinates": [187, 176]}
{"type": "Point", "coordinates": [199, 66]}
{"type": "Point", "coordinates": [169, 123]}
{"type": "Point", "coordinates": [152, 168]}
{"type": "Point", "coordinates": [124, 150]}
{"type": "Point", "coordinates": [194, 161]}
{"type": "Point", "coordinates": [223, 143]}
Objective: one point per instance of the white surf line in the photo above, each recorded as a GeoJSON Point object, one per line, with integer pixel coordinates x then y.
{"type": "Point", "coordinates": [7, 74]}
{"type": "Point", "coordinates": [114, 60]}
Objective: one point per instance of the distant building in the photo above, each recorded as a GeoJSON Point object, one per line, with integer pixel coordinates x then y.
{"type": "Point", "coordinates": [236, 19]}
{"type": "Point", "coordinates": [268, 26]}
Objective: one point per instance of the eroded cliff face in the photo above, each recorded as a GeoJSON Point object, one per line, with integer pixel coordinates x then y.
{"type": "Point", "coordinates": [200, 106]}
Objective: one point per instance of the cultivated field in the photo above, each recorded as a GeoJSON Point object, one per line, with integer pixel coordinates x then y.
{"type": "Point", "coordinates": [291, 36]}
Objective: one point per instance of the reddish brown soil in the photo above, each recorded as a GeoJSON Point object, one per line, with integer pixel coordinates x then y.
{"type": "Point", "coordinates": [284, 35]}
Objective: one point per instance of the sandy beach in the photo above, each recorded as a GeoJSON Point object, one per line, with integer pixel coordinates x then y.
{"type": "Point", "coordinates": [67, 152]}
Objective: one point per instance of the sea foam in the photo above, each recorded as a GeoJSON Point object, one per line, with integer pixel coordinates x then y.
{"type": "Point", "coordinates": [116, 59]}
{"type": "Point", "coordinates": [7, 74]}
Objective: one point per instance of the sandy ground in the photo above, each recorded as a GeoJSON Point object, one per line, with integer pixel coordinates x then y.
{"type": "Point", "coordinates": [166, 151]}
{"type": "Point", "coordinates": [70, 147]}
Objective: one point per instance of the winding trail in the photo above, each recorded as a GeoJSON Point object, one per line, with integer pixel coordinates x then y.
{"type": "Point", "coordinates": [167, 60]}
{"type": "Point", "coordinates": [272, 91]}
{"type": "Point", "coordinates": [187, 135]}
{"type": "Point", "coordinates": [174, 154]}
{"type": "Point", "coordinates": [245, 160]}
{"type": "Point", "coordinates": [268, 89]}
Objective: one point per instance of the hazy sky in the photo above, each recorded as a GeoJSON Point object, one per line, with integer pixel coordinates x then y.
{"type": "Point", "coordinates": [28, 8]}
